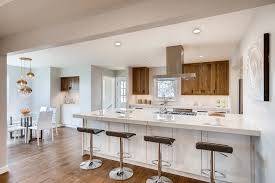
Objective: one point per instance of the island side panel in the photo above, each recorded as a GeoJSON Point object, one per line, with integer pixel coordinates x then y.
{"type": "Point", "coordinates": [137, 147]}
{"type": "Point", "coordinates": [186, 157]}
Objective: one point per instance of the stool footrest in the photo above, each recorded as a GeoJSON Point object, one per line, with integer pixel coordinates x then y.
{"type": "Point", "coordinates": [217, 173]}
{"type": "Point", "coordinates": [95, 149]}
{"type": "Point", "coordinates": [124, 155]}
{"type": "Point", "coordinates": [163, 163]}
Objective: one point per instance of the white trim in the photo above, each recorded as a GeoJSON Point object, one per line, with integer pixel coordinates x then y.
{"type": "Point", "coordinates": [4, 169]}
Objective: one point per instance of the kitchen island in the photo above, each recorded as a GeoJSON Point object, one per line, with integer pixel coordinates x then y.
{"type": "Point", "coordinates": [185, 159]}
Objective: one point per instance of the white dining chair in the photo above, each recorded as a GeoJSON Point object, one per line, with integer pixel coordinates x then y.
{"type": "Point", "coordinates": [43, 109]}
{"type": "Point", "coordinates": [54, 122]}
{"type": "Point", "coordinates": [36, 115]}
{"type": "Point", "coordinates": [44, 122]}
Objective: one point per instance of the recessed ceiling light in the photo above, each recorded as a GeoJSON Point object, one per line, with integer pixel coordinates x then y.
{"type": "Point", "coordinates": [201, 56]}
{"type": "Point", "coordinates": [196, 31]}
{"type": "Point", "coordinates": [117, 43]}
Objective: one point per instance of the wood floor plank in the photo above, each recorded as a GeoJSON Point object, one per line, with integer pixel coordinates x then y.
{"type": "Point", "coordinates": [58, 162]}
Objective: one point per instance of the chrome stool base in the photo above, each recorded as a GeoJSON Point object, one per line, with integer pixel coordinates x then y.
{"type": "Point", "coordinates": [121, 174]}
{"type": "Point", "coordinates": [91, 164]}
{"type": "Point", "coordinates": [157, 179]}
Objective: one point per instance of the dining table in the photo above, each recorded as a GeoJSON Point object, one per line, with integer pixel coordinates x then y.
{"type": "Point", "coordinates": [26, 120]}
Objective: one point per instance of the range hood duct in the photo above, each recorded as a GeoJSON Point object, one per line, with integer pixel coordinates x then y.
{"type": "Point", "coordinates": [174, 64]}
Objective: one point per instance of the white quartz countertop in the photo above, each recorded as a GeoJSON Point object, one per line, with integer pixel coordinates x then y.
{"type": "Point", "coordinates": [231, 123]}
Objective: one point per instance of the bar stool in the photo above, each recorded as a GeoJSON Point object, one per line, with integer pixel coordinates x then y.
{"type": "Point", "coordinates": [121, 173]}
{"type": "Point", "coordinates": [91, 163]}
{"type": "Point", "coordinates": [160, 140]}
{"type": "Point", "coordinates": [213, 148]}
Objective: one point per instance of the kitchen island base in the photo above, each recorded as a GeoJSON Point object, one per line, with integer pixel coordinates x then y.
{"type": "Point", "coordinates": [185, 159]}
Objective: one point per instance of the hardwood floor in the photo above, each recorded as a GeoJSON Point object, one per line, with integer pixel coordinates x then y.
{"type": "Point", "coordinates": [58, 162]}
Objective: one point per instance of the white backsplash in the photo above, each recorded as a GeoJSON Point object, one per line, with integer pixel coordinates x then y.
{"type": "Point", "coordinates": [70, 97]}
{"type": "Point", "coordinates": [194, 100]}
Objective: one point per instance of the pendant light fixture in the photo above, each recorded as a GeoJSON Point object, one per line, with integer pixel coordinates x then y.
{"type": "Point", "coordinates": [21, 82]}
{"type": "Point", "coordinates": [26, 90]}
{"type": "Point", "coordinates": [29, 74]}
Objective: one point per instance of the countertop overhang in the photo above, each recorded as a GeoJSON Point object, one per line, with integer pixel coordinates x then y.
{"type": "Point", "coordinates": [231, 123]}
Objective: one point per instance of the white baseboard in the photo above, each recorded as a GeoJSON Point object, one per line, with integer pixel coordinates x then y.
{"type": "Point", "coordinates": [4, 169]}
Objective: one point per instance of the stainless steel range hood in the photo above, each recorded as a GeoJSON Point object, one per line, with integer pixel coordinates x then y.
{"type": "Point", "coordinates": [174, 64]}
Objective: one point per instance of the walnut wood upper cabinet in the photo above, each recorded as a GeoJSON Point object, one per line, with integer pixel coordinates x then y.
{"type": "Point", "coordinates": [207, 79]}
{"type": "Point", "coordinates": [191, 87]}
{"type": "Point", "coordinates": [212, 78]}
{"type": "Point", "coordinates": [221, 70]}
{"type": "Point", "coordinates": [141, 81]}
{"type": "Point", "coordinates": [70, 83]}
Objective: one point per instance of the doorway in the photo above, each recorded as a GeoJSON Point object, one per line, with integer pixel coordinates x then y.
{"type": "Point", "coordinates": [108, 92]}
{"type": "Point", "coordinates": [121, 92]}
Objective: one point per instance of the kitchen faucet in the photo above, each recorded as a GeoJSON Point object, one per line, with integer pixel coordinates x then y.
{"type": "Point", "coordinates": [163, 109]}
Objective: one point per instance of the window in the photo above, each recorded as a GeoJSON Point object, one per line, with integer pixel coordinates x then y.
{"type": "Point", "coordinates": [166, 87]}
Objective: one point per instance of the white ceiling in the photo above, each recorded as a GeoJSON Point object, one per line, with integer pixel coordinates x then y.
{"type": "Point", "coordinates": [219, 37]}
{"type": "Point", "coordinates": [24, 15]}
{"type": "Point", "coordinates": [3, 2]}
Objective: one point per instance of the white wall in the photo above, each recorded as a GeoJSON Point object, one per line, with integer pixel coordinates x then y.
{"type": "Point", "coordinates": [84, 73]}
{"type": "Point", "coordinates": [262, 114]}
{"type": "Point", "coordinates": [108, 92]}
{"type": "Point", "coordinates": [97, 74]}
{"type": "Point", "coordinates": [3, 114]}
{"type": "Point", "coordinates": [46, 90]}
{"type": "Point", "coordinates": [90, 87]}
{"type": "Point", "coordinates": [235, 66]}
{"type": "Point", "coordinates": [55, 93]}
{"type": "Point", "coordinates": [41, 85]}
{"type": "Point", "coordinates": [15, 101]}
